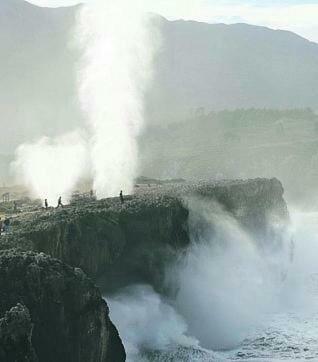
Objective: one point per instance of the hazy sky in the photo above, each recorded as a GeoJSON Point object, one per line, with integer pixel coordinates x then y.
{"type": "Point", "coordinates": [299, 16]}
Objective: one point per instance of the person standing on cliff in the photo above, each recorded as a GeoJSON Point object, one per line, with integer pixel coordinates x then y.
{"type": "Point", "coordinates": [59, 202]}
{"type": "Point", "coordinates": [121, 196]}
{"type": "Point", "coordinates": [6, 225]}
{"type": "Point", "coordinates": [46, 204]}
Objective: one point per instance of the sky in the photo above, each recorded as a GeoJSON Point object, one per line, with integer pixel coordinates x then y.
{"type": "Point", "coordinates": [299, 16]}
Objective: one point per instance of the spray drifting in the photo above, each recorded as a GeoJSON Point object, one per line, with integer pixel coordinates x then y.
{"type": "Point", "coordinates": [51, 168]}
{"type": "Point", "coordinates": [115, 70]}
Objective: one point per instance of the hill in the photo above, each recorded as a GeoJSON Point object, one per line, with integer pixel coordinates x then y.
{"type": "Point", "coordinates": [238, 144]}
{"type": "Point", "coordinates": [37, 76]}
{"type": "Point", "coordinates": [200, 66]}
{"type": "Point", "coordinates": [219, 66]}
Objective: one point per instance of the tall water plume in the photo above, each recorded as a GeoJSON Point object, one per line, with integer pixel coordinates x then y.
{"type": "Point", "coordinates": [118, 41]}
{"type": "Point", "coordinates": [115, 72]}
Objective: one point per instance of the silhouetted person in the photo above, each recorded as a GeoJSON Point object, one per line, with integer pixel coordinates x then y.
{"type": "Point", "coordinates": [59, 202]}
{"type": "Point", "coordinates": [46, 204]}
{"type": "Point", "coordinates": [6, 225]}
{"type": "Point", "coordinates": [121, 196]}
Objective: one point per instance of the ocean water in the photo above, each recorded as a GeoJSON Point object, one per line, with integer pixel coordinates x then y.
{"type": "Point", "coordinates": [230, 306]}
{"type": "Point", "coordinates": [282, 336]}
{"type": "Point", "coordinates": [289, 336]}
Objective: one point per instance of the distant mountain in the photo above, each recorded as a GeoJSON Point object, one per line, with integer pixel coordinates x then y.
{"type": "Point", "coordinates": [199, 68]}
{"type": "Point", "coordinates": [37, 77]}
{"type": "Point", "coordinates": [238, 144]}
{"type": "Point", "coordinates": [232, 66]}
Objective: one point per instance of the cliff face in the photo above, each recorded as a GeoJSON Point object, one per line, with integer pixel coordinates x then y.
{"type": "Point", "coordinates": [52, 312]}
{"type": "Point", "coordinates": [139, 238]}
{"type": "Point", "coordinates": [258, 205]}
{"type": "Point", "coordinates": [104, 237]}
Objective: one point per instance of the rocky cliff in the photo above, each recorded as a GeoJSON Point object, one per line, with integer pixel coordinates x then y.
{"type": "Point", "coordinates": [138, 239]}
{"type": "Point", "coordinates": [15, 336]}
{"type": "Point", "coordinates": [52, 312]}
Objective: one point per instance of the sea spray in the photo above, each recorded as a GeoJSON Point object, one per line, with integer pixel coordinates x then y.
{"type": "Point", "coordinates": [218, 291]}
{"type": "Point", "coordinates": [300, 289]}
{"type": "Point", "coordinates": [116, 68]}
{"type": "Point", "coordinates": [147, 321]}
{"type": "Point", "coordinates": [118, 42]}
{"type": "Point", "coordinates": [222, 285]}
{"type": "Point", "coordinates": [51, 167]}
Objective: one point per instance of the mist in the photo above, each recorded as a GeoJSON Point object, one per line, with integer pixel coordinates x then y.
{"type": "Point", "coordinates": [113, 76]}
{"type": "Point", "coordinates": [238, 144]}
{"type": "Point", "coordinates": [115, 72]}
{"type": "Point", "coordinates": [51, 168]}
{"type": "Point", "coordinates": [198, 263]}
{"type": "Point", "coordinates": [147, 321]}
{"type": "Point", "coordinates": [176, 91]}
{"type": "Point", "coordinates": [222, 292]}
{"type": "Point", "coordinates": [219, 292]}
{"type": "Point", "coordinates": [226, 281]}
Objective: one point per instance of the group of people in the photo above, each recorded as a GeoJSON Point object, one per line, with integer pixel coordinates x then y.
{"type": "Point", "coordinates": [60, 204]}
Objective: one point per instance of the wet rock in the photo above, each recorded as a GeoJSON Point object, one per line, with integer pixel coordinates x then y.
{"type": "Point", "coordinates": [52, 312]}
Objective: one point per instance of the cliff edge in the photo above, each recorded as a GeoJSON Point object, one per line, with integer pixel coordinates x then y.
{"type": "Point", "coordinates": [140, 237]}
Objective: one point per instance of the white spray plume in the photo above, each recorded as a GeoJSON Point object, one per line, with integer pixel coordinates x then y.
{"type": "Point", "coordinates": [117, 39]}
{"type": "Point", "coordinates": [224, 284]}
{"type": "Point", "coordinates": [146, 321]}
{"type": "Point", "coordinates": [115, 72]}
{"type": "Point", "coordinates": [51, 168]}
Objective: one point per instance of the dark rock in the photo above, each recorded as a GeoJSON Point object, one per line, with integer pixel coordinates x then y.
{"type": "Point", "coordinates": [139, 238]}
{"type": "Point", "coordinates": [15, 336]}
{"type": "Point", "coordinates": [136, 240]}
{"type": "Point", "coordinates": [70, 319]}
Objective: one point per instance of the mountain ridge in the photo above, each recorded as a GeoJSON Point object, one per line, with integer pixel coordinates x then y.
{"type": "Point", "coordinates": [233, 66]}
{"type": "Point", "coordinates": [199, 65]}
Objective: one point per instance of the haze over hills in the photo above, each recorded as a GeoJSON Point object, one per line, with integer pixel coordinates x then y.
{"type": "Point", "coordinates": [199, 65]}
{"type": "Point", "coordinates": [37, 77]}
{"type": "Point", "coordinates": [238, 144]}
{"type": "Point", "coordinates": [200, 68]}
{"type": "Point", "coordinates": [198, 220]}
{"type": "Point", "coordinates": [232, 66]}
